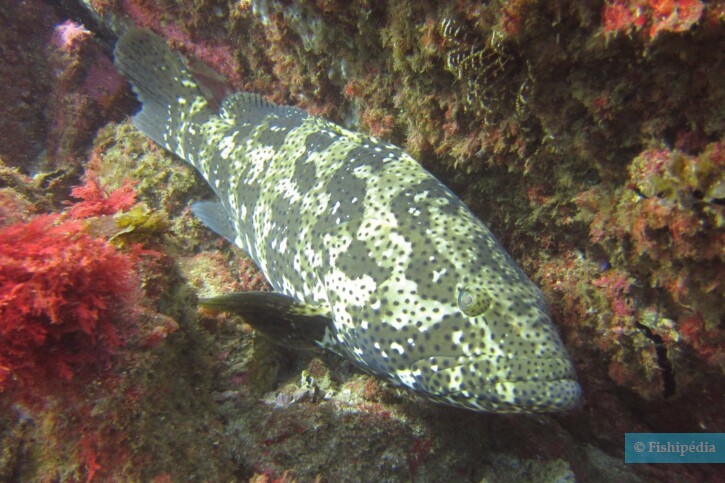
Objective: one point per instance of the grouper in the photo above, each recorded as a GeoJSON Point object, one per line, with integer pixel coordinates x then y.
{"type": "Point", "coordinates": [368, 254]}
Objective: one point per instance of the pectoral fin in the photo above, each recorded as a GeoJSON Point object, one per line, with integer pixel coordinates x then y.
{"type": "Point", "coordinates": [281, 318]}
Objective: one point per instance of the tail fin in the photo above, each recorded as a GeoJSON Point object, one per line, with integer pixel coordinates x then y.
{"type": "Point", "coordinates": [163, 84]}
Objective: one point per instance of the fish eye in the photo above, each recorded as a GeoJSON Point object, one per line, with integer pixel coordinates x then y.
{"type": "Point", "coordinates": [465, 299]}
{"type": "Point", "coordinates": [473, 301]}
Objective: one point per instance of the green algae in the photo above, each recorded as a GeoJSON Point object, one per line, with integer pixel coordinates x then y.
{"type": "Point", "coordinates": [164, 183]}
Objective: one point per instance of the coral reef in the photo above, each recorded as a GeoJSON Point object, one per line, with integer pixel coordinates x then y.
{"type": "Point", "coordinates": [587, 135]}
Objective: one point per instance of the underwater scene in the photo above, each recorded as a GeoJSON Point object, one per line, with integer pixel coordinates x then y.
{"type": "Point", "coordinates": [361, 241]}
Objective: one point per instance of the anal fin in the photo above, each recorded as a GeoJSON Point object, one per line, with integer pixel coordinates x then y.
{"type": "Point", "coordinates": [215, 217]}
{"type": "Point", "coordinates": [281, 318]}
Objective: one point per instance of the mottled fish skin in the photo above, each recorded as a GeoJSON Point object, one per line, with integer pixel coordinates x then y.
{"type": "Point", "coordinates": [418, 290]}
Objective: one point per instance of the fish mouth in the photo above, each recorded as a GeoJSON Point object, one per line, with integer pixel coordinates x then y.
{"type": "Point", "coordinates": [511, 385]}
{"type": "Point", "coordinates": [521, 397]}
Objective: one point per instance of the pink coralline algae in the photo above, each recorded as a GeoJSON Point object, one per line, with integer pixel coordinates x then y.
{"type": "Point", "coordinates": [102, 83]}
{"type": "Point", "coordinates": [215, 54]}
{"type": "Point", "coordinates": [69, 36]}
{"type": "Point", "coordinates": [86, 87]}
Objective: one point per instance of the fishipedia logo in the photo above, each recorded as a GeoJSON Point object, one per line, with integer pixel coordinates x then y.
{"type": "Point", "coordinates": [674, 448]}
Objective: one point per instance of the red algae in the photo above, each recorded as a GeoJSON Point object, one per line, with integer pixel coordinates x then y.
{"type": "Point", "coordinates": [63, 301]}
{"type": "Point", "coordinates": [75, 324]}
{"type": "Point", "coordinates": [625, 16]}
{"type": "Point", "coordinates": [619, 16]}
{"type": "Point", "coordinates": [674, 15]}
{"type": "Point", "coordinates": [96, 201]}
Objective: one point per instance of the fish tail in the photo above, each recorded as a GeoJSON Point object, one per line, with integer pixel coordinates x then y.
{"type": "Point", "coordinates": [172, 98]}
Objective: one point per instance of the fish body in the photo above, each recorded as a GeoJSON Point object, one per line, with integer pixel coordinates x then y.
{"type": "Point", "coordinates": [369, 255]}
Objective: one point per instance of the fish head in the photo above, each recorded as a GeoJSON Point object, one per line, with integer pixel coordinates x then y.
{"type": "Point", "coordinates": [495, 348]}
{"type": "Point", "coordinates": [455, 320]}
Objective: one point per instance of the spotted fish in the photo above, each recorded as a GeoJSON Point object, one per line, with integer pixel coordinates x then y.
{"type": "Point", "coordinates": [369, 255]}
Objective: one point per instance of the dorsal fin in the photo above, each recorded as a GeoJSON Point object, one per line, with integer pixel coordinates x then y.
{"type": "Point", "coordinates": [253, 108]}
